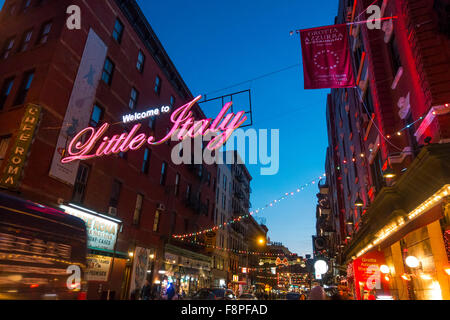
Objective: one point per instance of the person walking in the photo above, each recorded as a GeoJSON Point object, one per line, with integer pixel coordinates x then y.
{"type": "Point", "coordinates": [170, 292]}
{"type": "Point", "coordinates": [317, 293]}
{"type": "Point", "coordinates": [146, 291]}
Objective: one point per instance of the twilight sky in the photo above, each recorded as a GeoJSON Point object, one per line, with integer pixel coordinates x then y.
{"type": "Point", "coordinates": [215, 44]}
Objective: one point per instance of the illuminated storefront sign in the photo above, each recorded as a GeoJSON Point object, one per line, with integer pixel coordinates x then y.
{"type": "Point", "coordinates": [184, 126]}
{"type": "Point", "coordinates": [20, 149]}
{"type": "Point", "coordinates": [102, 233]}
{"type": "Point", "coordinates": [137, 116]}
{"type": "Point", "coordinates": [98, 267]}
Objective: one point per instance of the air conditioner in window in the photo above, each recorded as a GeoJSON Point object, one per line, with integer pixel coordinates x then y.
{"type": "Point", "coordinates": [112, 211]}
{"type": "Point", "coordinates": [161, 207]}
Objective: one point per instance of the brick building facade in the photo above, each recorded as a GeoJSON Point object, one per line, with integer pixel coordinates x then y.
{"type": "Point", "coordinates": [387, 161]}
{"type": "Point", "coordinates": [152, 198]}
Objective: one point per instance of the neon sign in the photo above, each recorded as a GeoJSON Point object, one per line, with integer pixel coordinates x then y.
{"type": "Point", "coordinates": [184, 126]}
{"type": "Point", "coordinates": [144, 115]}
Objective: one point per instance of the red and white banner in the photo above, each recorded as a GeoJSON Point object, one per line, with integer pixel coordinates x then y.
{"type": "Point", "coordinates": [326, 58]}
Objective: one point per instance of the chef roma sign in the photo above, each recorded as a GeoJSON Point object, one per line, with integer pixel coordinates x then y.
{"type": "Point", "coordinates": [91, 143]}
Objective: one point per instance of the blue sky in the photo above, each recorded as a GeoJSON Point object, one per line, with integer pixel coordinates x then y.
{"type": "Point", "coordinates": [215, 44]}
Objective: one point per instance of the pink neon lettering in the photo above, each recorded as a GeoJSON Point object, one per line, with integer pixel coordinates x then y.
{"type": "Point", "coordinates": [182, 120]}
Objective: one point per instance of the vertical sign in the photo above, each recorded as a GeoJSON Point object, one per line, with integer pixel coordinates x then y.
{"type": "Point", "coordinates": [140, 266]}
{"type": "Point", "coordinates": [12, 174]}
{"type": "Point", "coordinates": [326, 58]}
{"type": "Point", "coordinates": [80, 105]}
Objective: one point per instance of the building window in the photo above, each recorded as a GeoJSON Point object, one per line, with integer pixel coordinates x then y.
{"type": "Point", "coordinates": [172, 101]}
{"type": "Point", "coordinates": [80, 185]}
{"type": "Point", "coordinates": [368, 102]}
{"type": "Point", "coordinates": [152, 123]}
{"type": "Point", "coordinates": [395, 55]}
{"type": "Point", "coordinates": [4, 143]}
{"type": "Point", "coordinates": [156, 221]}
{"type": "Point", "coordinates": [96, 117]}
{"type": "Point", "coordinates": [223, 201]}
{"type": "Point", "coordinates": [24, 87]}
{"type": "Point", "coordinates": [138, 209]}
{"type": "Point", "coordinates": [124, 155]}
{"type": "Point", "coordinates": [108, 71]}
{"type": "Point", "coordinates": [6, 90]}
{"type": "Point", "coordinates": [43, 36]}
{"type": "Point", "coordinates": [146, 162]}
{"type": "Point", "coordinates": [177, 184]}
{"type": "Point", "coordinates": [377, 172]}
{"type": "Point", "coordinates": [25, 40]}
{"type": "Point", "coordinates": [158, 85]}
{"type": "Point", "coordinates": [26, 5]}
{"type": "Point", "coordinates": [9, 44]}
{"type": "Point", "coordinates": [115, 194]}
{"type": "Point", "coordinates": [133, 99]}
{"type": "Point", "coordinates": [188, 191]}
{"type": "Point", "coordinates": [162, 181]}
{"type": "Point", "coordinates": [140, 61]}
{"type": "Point", "coordinates": [118, 31]}
{"type": "Point", "coordinates": [224, 183]}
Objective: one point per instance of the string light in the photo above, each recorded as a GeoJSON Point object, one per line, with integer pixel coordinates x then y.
{"type": "Point", "coordinates": [239, 218]}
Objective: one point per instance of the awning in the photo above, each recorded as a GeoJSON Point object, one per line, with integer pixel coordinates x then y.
{"type": "Point", "coordinates": [426, 176]}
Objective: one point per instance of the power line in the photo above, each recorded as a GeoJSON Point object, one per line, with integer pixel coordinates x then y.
{"type": "Point", "coordinates": [254, 79]}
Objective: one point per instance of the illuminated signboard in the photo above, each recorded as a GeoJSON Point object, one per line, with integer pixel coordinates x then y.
{"type": "Point", "coordinates": [184, 126]}
{"type": "Point", "coordinates": [144, 115]}
{"type": "Point", "coordinates": [102, 233]}
{"type": "Point", "coordinates": [19, 151]}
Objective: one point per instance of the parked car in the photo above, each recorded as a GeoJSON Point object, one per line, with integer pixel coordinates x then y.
{"type": "Point", "coordinates": [293, 296]}
{"type": "Point", "coordinates": [247, 296]}
{"type": "Point", "coordinates": [214, 294]}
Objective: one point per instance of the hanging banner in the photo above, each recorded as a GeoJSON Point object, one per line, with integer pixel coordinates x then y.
{"type": "Point", "coordinates": [140, 266]}
{"type": "Point", "coordinates": [80, 106]}
{"type": "Point", "coordinates": [326, 58]}
{"type": "Point", "coordinates": [12, 174]}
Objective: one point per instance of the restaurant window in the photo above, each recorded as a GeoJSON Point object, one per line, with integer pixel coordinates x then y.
{"type": "Point", "coordinates": [108, 71]}
{"type": "Point", "coordinates": [133, 99]}
{"type": "Point", "coordinates": [157, 88]}
{"type": "Point", "coordinates": [25, 40]}
{"type": "Point", "coordinates": [156, 221]}
{"type": "Point", "coordinates": [162, 180]}
{"type": "Point", "coordinates": [395, 55]}
{"type": "Point", "coordinates": [24, 87]}
{"type": "Point", "coordinates": [118, 31]}
{"type": "Point", "coordinates": [146, 160]}
{"type": "Point", "coordinates": [4, 143]}
{"type": "Point", "coordinates": [96, 117]}
{"type": "Point", "coordinates": [177, 184]}
{"type": "Point", "coordinates": [45, 31]}
{"type": "Point", "coordinates": [115, 193]}
{"type": "Point", "coordinates": [80, 185]}
{"type": "Point", "coordinates": [6, 90]}
{"type": "Point", "coordinates": [140, 61]}
{"type": "Point", "coordinates": [9, 44]}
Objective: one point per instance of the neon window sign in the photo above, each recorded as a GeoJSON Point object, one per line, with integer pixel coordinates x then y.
{"type": "Point", "coordinates": [184, 126]}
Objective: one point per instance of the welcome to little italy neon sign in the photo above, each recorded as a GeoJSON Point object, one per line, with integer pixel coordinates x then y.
{"type": "Point", "coordinates": [184, 126]}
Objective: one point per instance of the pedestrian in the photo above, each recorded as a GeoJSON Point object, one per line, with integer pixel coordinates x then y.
{"type": "Point", "coordinates": [170, 292]}
{"type": "Point", "coordinates": [146, 291]}
{"type": "Point", "coordinates": [317, 293]}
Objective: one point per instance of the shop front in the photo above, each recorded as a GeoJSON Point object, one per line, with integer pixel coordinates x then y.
{"type": "Point", "coordinates": [188, 271]}
{"type": "Point", "coordinates": [105, 264]}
